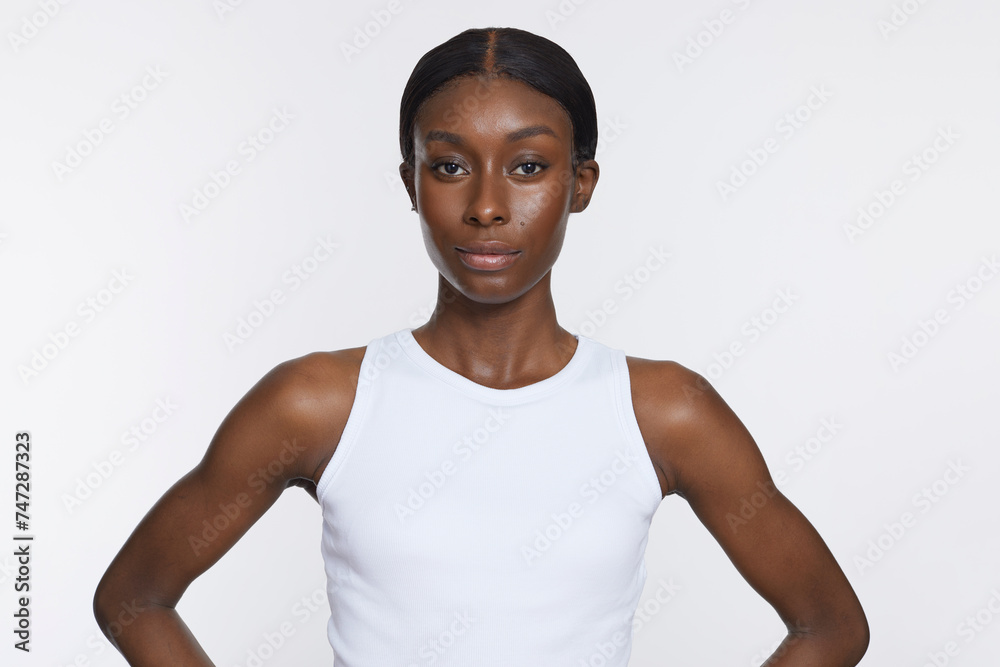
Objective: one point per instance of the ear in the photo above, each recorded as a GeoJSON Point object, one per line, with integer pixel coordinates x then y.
{"type": "Point", "coordinates": [406, 173]}
{"type": "Point", "coordinates": [585, 179]}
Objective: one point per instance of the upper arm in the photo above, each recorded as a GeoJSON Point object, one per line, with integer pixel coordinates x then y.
{"type": "Point", "coordinates": [278, 434]}
{"type": "Point", "coordinates": [710, 459]}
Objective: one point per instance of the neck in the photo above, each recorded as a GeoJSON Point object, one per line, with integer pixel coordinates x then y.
{"type": "Point", "coordinates": [501, 345]}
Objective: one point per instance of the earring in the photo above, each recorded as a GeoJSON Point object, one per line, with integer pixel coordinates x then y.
{"type": "Point", "coordinates": [413, 208]}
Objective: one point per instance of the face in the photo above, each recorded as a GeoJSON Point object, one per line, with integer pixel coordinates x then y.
{"type": "Point", "coordinates": [493, 165]}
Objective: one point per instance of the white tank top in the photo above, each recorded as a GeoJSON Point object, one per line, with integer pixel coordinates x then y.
{"type": "Point", "coordinates": [465, 525]}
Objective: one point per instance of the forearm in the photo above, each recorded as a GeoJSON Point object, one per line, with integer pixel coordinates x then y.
{"type": "Point", "coordinates": [150, 635]}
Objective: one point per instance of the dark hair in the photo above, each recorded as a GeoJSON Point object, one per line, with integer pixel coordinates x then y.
{"type": "Point", "coordinates": [503, 52]}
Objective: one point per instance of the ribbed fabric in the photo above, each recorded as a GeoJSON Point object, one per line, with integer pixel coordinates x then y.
{"type": "Point", "coordinates": [476, 527]}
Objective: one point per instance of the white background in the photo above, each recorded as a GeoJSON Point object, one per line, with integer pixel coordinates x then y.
{"type": "Point", "coordinates": [672, 131]}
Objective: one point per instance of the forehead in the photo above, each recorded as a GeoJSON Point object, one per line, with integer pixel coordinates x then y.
{"type": "Point", "coordinates": [481, 106]}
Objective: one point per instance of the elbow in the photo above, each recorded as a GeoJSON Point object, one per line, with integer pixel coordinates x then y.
{"type": "Point", "coordinates": [100, 609]}
{"type": "Point", "coordinates": [853, 633]}
{"type": "Point", "coordinates": [858, 638]}
{"type": "Point", "coordinates": [103, 606]}
{"type": "Point", "coordinates": [840, 640]}
{"type": "Point", "coordinates": [849, 638]}
{"type": "Point", "coordinates": [115, 608]}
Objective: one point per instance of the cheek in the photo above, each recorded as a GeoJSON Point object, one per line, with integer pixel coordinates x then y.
{"type": "Point", "coordinates": [431, 239]}
{"type": "Point", "coordinates": [440, 200]}
{"type": "Point", "coordinates": [550, 198]}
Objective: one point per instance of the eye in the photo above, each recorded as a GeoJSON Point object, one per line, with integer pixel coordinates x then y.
{"type": "Point", "coordinates": [529, 168]}
{"type": "Point", "coordinates": [450, 168]}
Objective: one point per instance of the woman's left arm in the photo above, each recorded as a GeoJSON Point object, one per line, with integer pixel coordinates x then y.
{"type": "Point", "coordinates": [710, 459]}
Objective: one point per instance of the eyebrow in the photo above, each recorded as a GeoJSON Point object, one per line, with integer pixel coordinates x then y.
{"type": "Point", "coordinates": [516, 135]}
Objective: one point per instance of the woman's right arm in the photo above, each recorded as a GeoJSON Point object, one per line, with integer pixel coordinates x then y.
{"type": "Point", "coordinates": [279, 434]}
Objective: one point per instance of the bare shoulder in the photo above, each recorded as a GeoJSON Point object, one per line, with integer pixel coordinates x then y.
{"type": "Point", "coordinates": [677, 410]}
{"type": "Point", "coordinates": [664, 385]}
{"type": "Point", "coordinates": [320, 375]}
{"type": "Point", "coordinates": [311, 397]}
{"type": "Point", "coordinates": [324, 386]}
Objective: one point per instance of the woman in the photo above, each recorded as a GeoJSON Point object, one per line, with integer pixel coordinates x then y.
{"type": "Point", "coordinates": [487, 479]}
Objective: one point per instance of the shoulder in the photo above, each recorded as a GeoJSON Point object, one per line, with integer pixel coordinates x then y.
{"type": "Point", "coordinates": [668, 391]}
{"type": "Point", "coordinates": [309, 385]}
{"type": "Point", "coordinates": [680, 415]}
{"type": "Point", "coordinates": [317, 376]}
{"type": "Point", "coordinates": [305, 400]}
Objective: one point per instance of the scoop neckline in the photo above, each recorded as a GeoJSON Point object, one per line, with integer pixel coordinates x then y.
{"type": "Point", "coordinates": [420, 356]}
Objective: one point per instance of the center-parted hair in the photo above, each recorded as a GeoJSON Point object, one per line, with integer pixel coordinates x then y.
{"type": "Point", "coordinates": [502, 52]}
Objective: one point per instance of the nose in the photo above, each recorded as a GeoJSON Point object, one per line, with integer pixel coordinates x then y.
{"type": "Point", "coordinates": [488, 200]}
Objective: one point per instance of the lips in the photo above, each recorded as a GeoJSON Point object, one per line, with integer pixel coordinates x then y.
{"type": "Point", "coordinates": [487, 248]}
{"type": "Point", "coordinates": [488, 255]}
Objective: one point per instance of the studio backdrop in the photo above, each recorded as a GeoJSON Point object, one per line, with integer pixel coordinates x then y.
{"type": "Point", "coordinates": [797, 200]}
